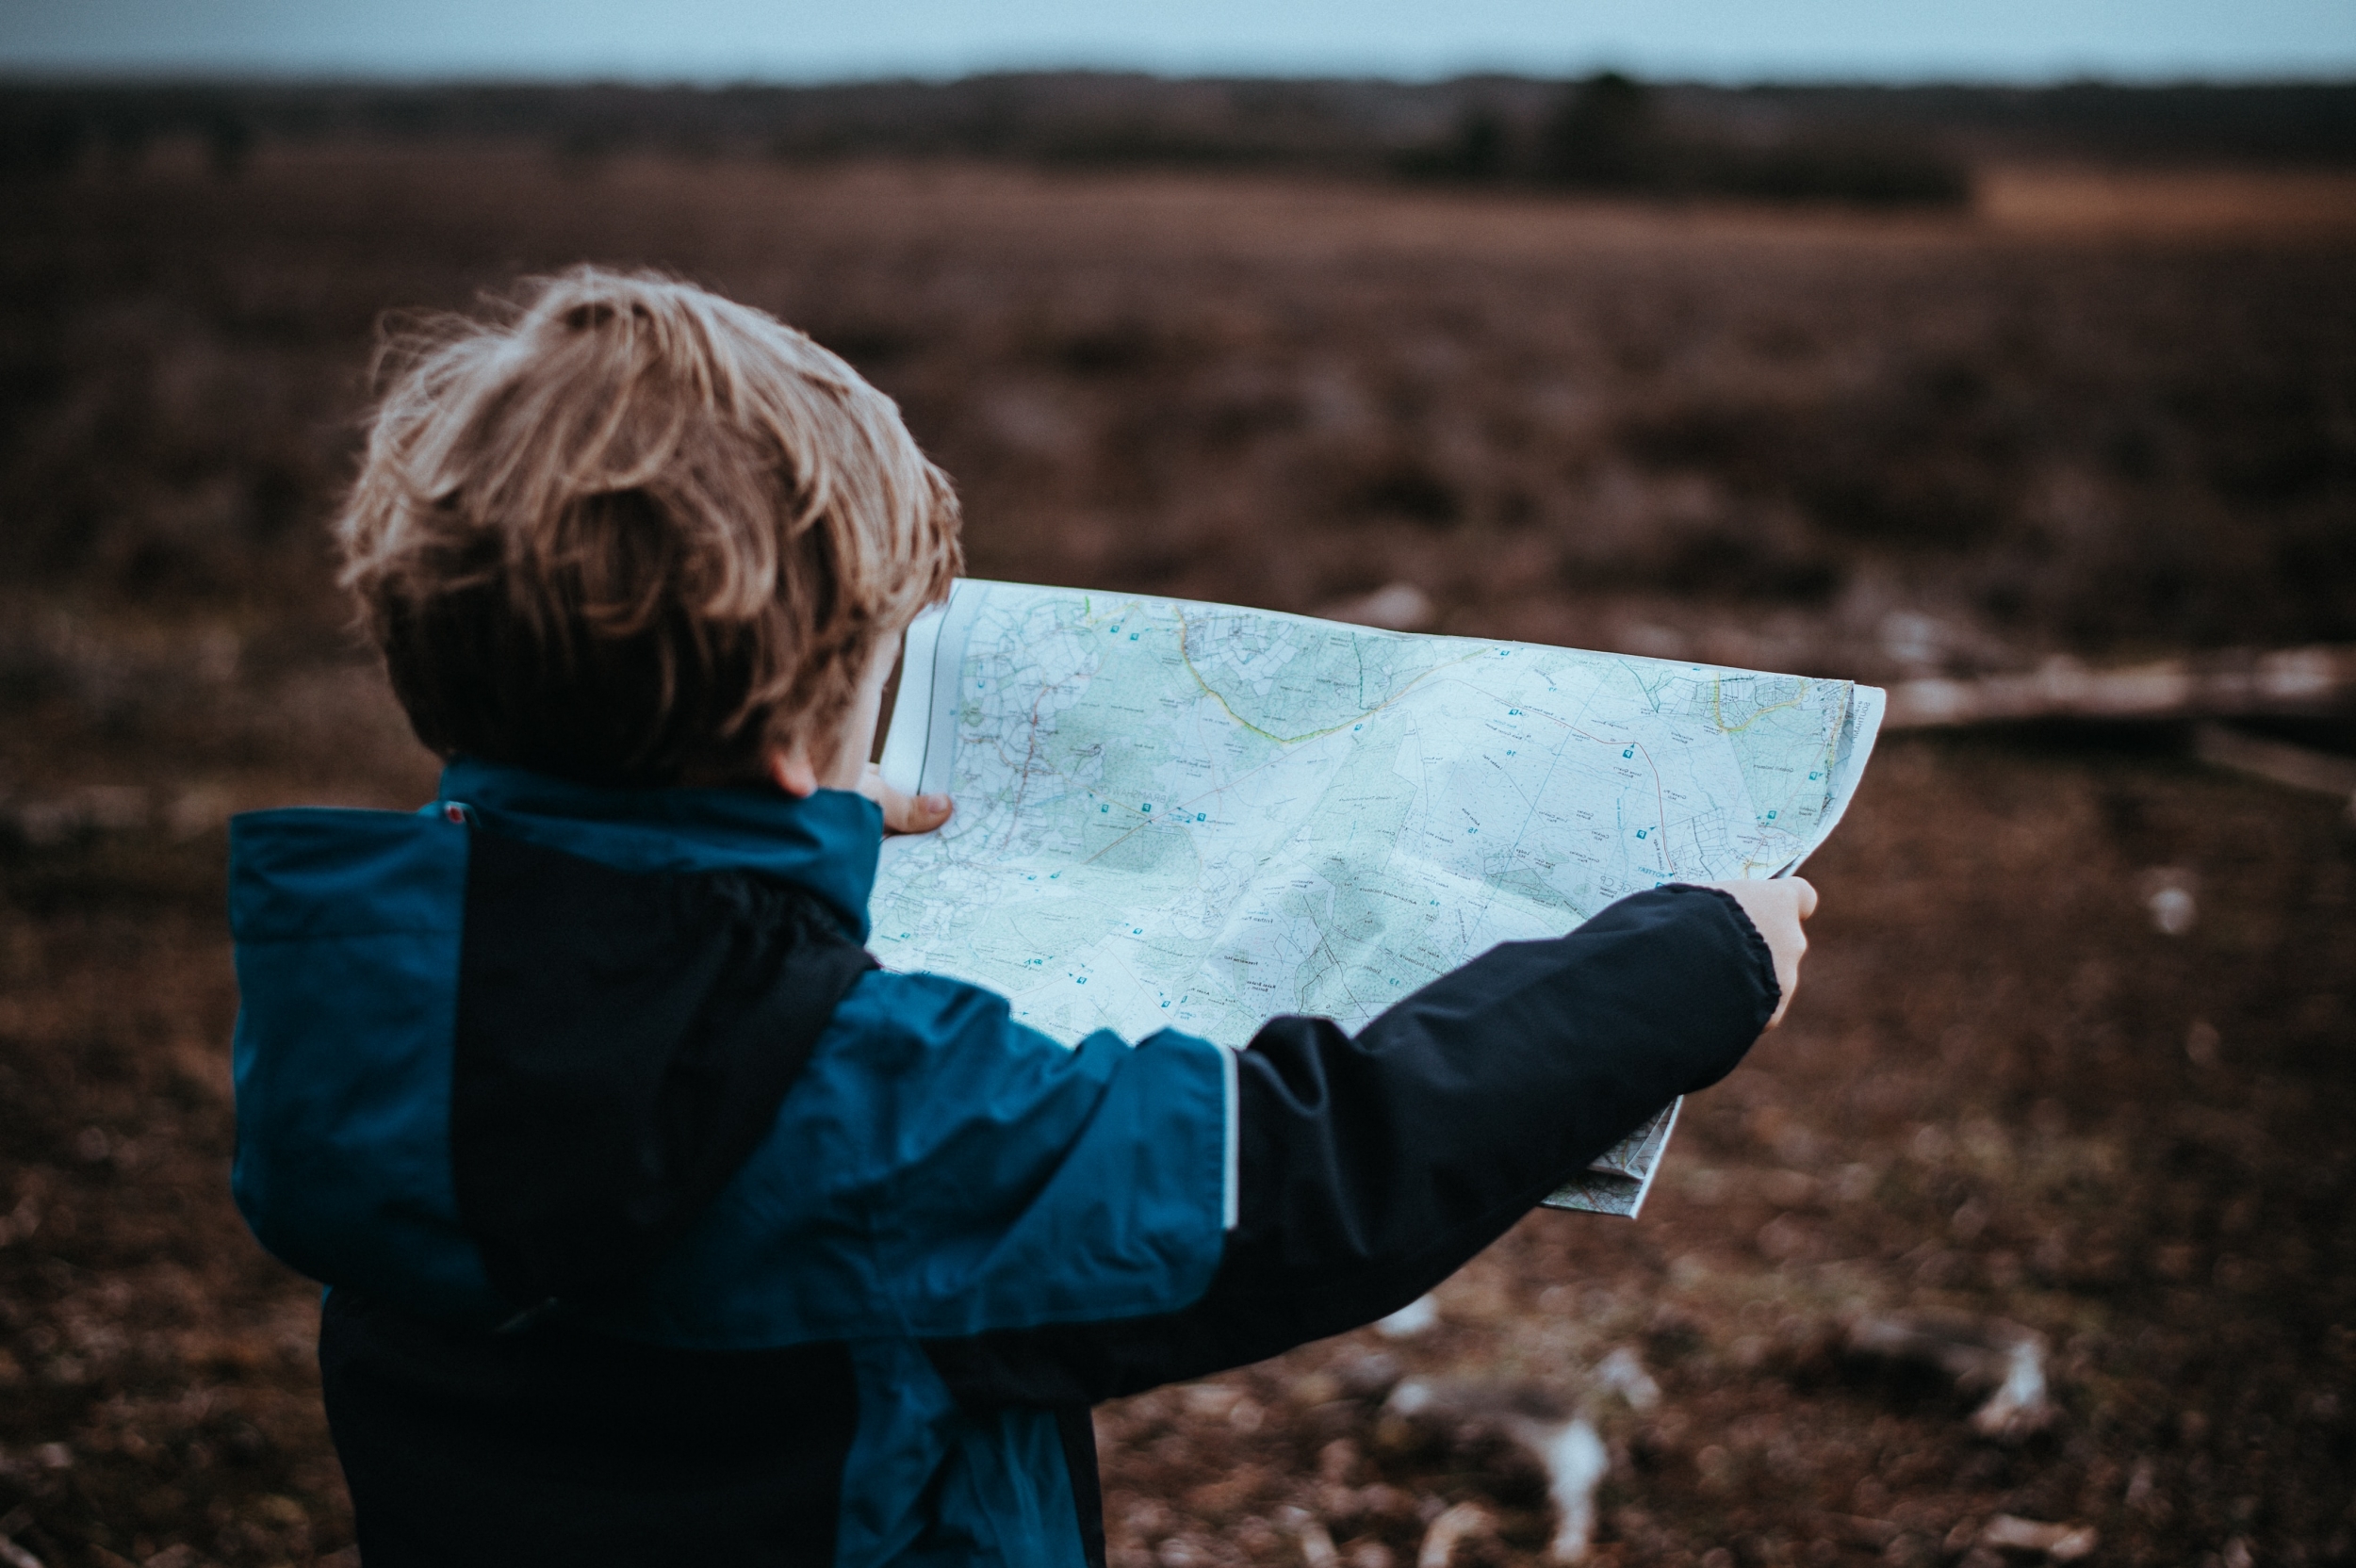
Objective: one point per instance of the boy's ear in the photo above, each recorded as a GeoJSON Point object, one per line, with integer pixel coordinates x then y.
{"type": "Point", "coordinates": [788, 769]}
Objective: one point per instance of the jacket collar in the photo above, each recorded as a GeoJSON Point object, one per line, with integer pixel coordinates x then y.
{"type": "Point", "coordinates": [827, 843]}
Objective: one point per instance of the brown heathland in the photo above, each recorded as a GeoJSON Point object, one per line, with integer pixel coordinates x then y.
{"type": "Point", "coordinates": [1869, 446]}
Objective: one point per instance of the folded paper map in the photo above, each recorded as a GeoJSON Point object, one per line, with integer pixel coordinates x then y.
{"type": "Point", "coordinates": [1196, 817]}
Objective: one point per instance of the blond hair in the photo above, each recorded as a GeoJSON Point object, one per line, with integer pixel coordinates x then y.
{"type": "Point", "coordinates": [631, 531]}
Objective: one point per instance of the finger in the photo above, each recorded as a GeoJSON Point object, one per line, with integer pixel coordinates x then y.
{"type": "Point", "coordinates": [1788, 967]}
{"type": "Point", "coordinates": [1808, 896]}
{"type": "Point", "coordinates": [904, 812]}
{"type": "Point", "coordinates": [919, 813]}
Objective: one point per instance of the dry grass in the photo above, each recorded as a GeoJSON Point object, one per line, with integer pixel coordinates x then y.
{"type": "Point", "coordinates": [2211, 203]}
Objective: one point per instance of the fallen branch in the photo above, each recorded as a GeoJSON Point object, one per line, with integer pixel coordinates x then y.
{"type": "Point", "coordinates": [1316, 1542]}
{"type": "Point", "coordinates": [1395, 607]}
{"type": "Point", "coordinates": [12, 1555]}
{"type": "Point", "coordinates": [1565, 1446]}
{"type": "Point", "coordinates": [2278, 762]}
{"type": "Point", "coordinates": [1452, 1526]}
{"type": "Point", "coordinates": [2226, 685]}
{"type": "Point", "coordinates": [2003, 1359]}
{"type": "Point", "coordinates": [2062, 1543]}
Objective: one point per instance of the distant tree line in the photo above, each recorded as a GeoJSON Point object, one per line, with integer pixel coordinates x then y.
{"type": "Point", "coordinates": [1610, 134]}
{"type": "Point", "coordinates": [1610, 131]}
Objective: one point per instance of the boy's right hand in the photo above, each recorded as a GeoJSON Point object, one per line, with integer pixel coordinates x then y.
{"type": "Point", "coordinates": [1776, 907]}
{"type": "Point", "coordinates": [904, 812]}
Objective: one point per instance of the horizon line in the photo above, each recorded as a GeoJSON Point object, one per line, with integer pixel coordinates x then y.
{"type": "Point", "coordinates": [17, 74]}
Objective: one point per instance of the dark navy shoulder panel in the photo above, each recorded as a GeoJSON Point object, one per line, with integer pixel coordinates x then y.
{"type": "Point", "coordinates": [623, 1043]}
{"type": "Point", "coordinates": [941, 1169]}
{"type": "Point", "coordinates": [826, 842]}
{"type": "Point", "coordinates": [347, 926]}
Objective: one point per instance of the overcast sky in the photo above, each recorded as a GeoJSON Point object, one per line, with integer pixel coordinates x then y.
{"type": "Point", "coordinates": [800, 41]}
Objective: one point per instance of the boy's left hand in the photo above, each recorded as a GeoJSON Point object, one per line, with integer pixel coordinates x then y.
{"type": "Point", "coordinates": [904, 812]}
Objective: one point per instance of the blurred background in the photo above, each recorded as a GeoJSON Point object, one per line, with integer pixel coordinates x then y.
{"type": "Point", "coordinates": [2005, 358]}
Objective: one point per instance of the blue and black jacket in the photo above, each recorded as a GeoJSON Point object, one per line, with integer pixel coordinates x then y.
{"type": "Point", "coordinates": [660, 1226]}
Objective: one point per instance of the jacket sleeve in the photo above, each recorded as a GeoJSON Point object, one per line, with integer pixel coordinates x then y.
{"type": "Point", "coordinates": [1370, 1169]}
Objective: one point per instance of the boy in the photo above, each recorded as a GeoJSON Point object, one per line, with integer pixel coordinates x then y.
{"type": "Point", "coordinates": [660, 1225]}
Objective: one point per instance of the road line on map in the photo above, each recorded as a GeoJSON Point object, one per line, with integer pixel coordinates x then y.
{"type": "Point", "coordinates": [1718, 712]}
{"type": "Point", "coordinates": [1188, 659]}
